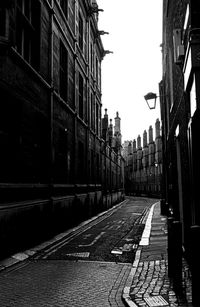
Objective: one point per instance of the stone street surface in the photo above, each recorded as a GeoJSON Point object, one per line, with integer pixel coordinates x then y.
{"type": "Point", "coordinates": [69, 273]}
{"type": "Point", "coordinates": [64, 283]}
{"type": "Point", "coordinates": [150, 285]}
{"type": "Point", "coordinates": [57, 279]}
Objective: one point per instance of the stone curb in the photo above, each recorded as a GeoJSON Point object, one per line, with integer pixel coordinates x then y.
{"type": "Point", "coordinates": [144, 239]}
{"type": "Point", "coordinates": [126, 292]}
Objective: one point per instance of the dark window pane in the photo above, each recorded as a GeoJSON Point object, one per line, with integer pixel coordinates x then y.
{"type": "Point", "coordinates": [64, 6]}
{"type": "Point", "coordinates": [2, 22]}
{"type": "Point", "coordinates": [97, 119]}
{"type": "Point", "coordinates": [19, 33]}
{"type": "Point", "coordinates": [63, 71]}
{"type": "Point", "coordinates": [28, 31]}
{"type": "Point", "coordinates": [80, 26]}
{"type": "Point", "coordinates": [80, 96]}
{"type": "Point", "coordinates": [27, 9]}
{"type": "Point", "coordinates": [27, 45]}
{"type": "Point", "coordinates": [19, 4]}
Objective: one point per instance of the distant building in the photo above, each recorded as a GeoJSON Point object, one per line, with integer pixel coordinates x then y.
{"type": "Point", "coordinates": [114, 162]}
{"type": "Point", "coordinates": [143, 164]}
{"type": "Point", "coordinates": [112, 136]}
{"type": "Point", "coordinates": [55, 166]}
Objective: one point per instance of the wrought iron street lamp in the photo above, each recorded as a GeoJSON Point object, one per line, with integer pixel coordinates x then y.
{"type": "Point", "coordinates": [151, 100]}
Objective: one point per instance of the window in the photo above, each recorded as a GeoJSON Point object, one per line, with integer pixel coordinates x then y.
{"type": "Point", "coordinates": [2, 22]}
{"type": "Point", "coordinates": [80, 32]}
{"type": "Point", "coordinates": [80, 96]}
{"type": "Point", "coordinates": [193, 98]}
{"type": "Point", "coordinates": [187, 13]}
{"type": "Point", "coordinates": [28, 30]}
{"type": "Point", "coordinates": [63, 71]}
{"type": "Point", "coordinates": [195, 13]}
{"type": "Point", "coordinates": [99, 75]}
{"type": "Point", "coordinates": [97, 71]}
{"type": "Point", "coordinates": [97, 119]}
{"type": "Point", "coordinates": [71, 14]}
{"type": "Point", "coordinates": [64, 6]}
{"type": "Point", "coordinates": [71, 80]}
{"type": "Point", "coordinates": [91, 58]}
{"type": "Point", "coordinates": [92, 112]}
{"type": "Point", "coordinates": [171, 80]}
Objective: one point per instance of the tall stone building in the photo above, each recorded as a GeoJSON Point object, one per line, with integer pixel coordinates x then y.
{"type": "Point", "coordinates": [179, 90]}
{"type": "Point", "coordinates": [180, 105]}
{"type": "Point", "coordinates": [143, 163]}
{"type": "Point", "coordinates": [53, 159]}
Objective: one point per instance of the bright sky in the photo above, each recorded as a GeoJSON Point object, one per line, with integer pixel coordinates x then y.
{"type": "Point", "coordinates": [134, 69]}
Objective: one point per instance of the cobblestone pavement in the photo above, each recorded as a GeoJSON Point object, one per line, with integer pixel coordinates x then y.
{"type": "Point", "coordinates": [27, 279]}
{"type": "Point", "coordinates": [150, 285]}
{"type": "Point", "coordinates": [64, 283]}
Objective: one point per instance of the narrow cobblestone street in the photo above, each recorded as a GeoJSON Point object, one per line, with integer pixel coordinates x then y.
{"type": "Point", "coordinates": [88, 268]}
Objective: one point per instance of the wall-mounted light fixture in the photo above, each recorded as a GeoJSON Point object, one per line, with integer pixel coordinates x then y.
{"type": "Point", "coordinates": [151, 100]}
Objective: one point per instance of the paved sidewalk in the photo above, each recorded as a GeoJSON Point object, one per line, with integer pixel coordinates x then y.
{"type": "Point", "coordinates": [148, 284]}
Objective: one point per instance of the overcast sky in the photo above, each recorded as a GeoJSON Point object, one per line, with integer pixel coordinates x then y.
{"type": "Point", "coordinates": [134, 68]}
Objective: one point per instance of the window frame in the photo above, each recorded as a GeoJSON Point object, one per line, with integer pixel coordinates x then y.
{"type": "Point", "coordinates": [64, 4]}
{"type": "Point", "coordinates": [91, 58]}
{"type": "Point", "coordinates": [92, 111]}
{"type": "Point", "coordinates": [80, 31]}
{"type": "Point", "coordinates": [28, 31]}
{"type": "Point", "coordinates": [63, 71]}
{"type": "Point", "coordinates": [81, 96]}
{"type": "Point", "coordinates": [97, 118]}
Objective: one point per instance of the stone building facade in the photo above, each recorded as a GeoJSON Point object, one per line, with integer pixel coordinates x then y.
{"type": "Point", "coordinates": [53, 159]}
{"type": "Point", "coordinates": [180, 105]}
{"type": "Point", "coordinates": [180, 95]}
{"type": "Point", "coordinates": [143, 164]}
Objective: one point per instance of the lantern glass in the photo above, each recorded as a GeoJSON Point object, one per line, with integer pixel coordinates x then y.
{"type": "Point", "coordinates": [151, 100]}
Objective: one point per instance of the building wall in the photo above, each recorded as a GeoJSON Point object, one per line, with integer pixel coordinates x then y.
{"type": "Point", "coordinates": [143, 164]}
{"type": "Point", "coordinates": [180, 92]}
{"type": "Point", "coordinates": [51, 143]}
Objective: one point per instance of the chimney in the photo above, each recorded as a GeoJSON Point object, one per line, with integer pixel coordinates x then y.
{"type": "Point", "coordinates": [145, 138]}
{"type": "Point", "coordinates": [105, 125]}
{"type": "Point", "coordinates": [150, 134]}
{"type": "Point", "coordinates": [157, 127]}
{"type": "Point", "coordinates": [134, 145]}
{"type": "Point", "coordinates": [129, 148]}
{"type": "Point", "coordinates": [110, 133]}
{"type": "Point", "coordinates": [139, 142]}
{"type": "Point", "coordinates": [117, 128]}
